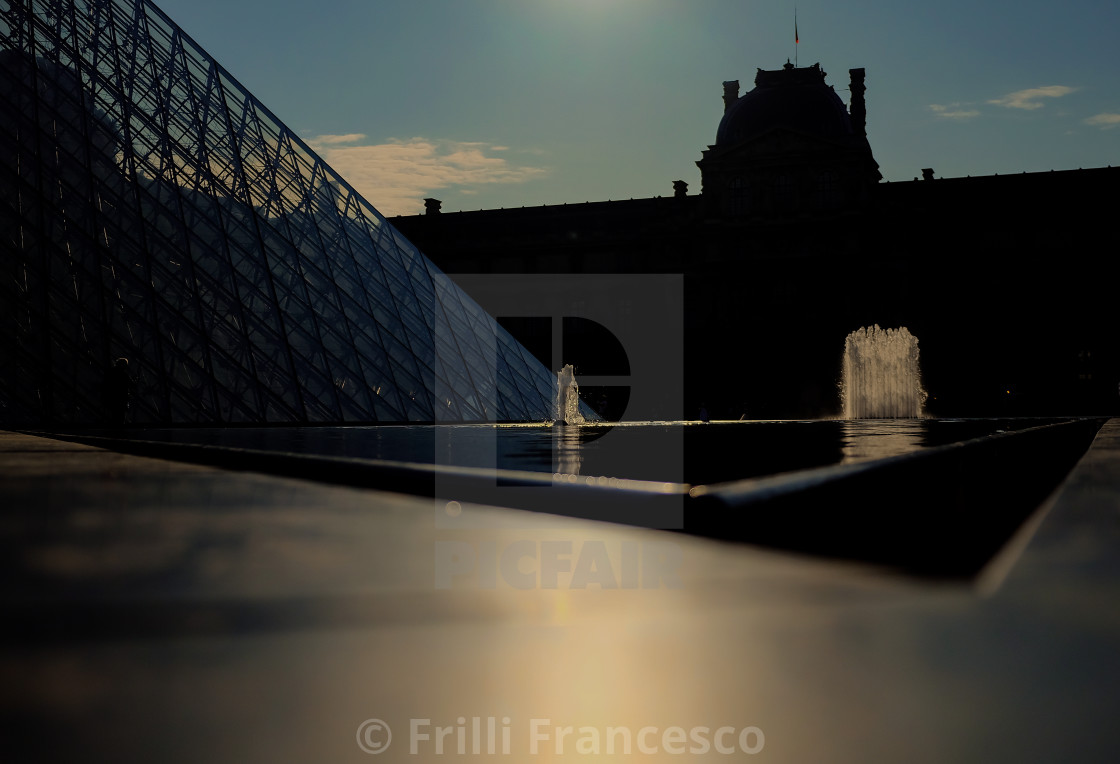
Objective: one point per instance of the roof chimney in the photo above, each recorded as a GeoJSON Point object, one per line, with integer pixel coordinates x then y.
{"type": "Point", "coordinates": [730, 94]}
{"type": "Point", "coordinates": [431, 206]}
{"type": "Point", "coordinates": [858, 107]}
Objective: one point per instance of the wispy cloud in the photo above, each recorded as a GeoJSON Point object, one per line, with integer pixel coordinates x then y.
{"type": "Point", "coordinates": [331, 140]}
{"type": "Point", "coordinates": [396, 176]}
{"type": "Point", "coordinates": [1104, 121]}
{"type": "Point", "coordinates": [1032, 97]}
{"type": "Point", "coordinates": [953, 111]}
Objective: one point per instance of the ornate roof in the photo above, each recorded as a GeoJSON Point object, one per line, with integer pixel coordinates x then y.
{"type": "Point", "coordinates": [791, 98]}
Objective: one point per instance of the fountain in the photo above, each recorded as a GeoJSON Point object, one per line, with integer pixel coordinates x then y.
{"type": "Point", "coordinates": [567, 397]}
{"type": "Point", "coordinates": [881, 376]}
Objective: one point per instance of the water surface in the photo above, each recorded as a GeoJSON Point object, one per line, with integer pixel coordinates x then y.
{"type": "Point", "coordinates": [690, 452]}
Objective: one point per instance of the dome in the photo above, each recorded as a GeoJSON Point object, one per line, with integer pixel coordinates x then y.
{"type": "Point", "coordinates": [791, 98]}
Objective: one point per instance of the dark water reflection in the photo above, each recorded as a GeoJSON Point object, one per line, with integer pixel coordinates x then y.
{"type": "Point", "coordinates": [665, 452]}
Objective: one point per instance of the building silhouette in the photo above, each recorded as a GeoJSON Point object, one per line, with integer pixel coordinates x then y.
{"type": "Point", "coordinates": [794, 242]}
{"type": "Point", "coordinates": [153, 210]}
{"type": "Point", "coordinates": [788, 146]}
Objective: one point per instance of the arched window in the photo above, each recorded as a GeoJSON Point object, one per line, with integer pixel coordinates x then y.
{"type": "Point", "coordinates": [736, 202]}
{"type": "Point", "coordinates": [784, 196]}
{"type": "Point", "coordinates": [826, 191]}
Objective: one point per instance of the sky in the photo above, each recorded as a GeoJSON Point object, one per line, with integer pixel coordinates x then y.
{"type": "Point", "coordinates": [510, 103]}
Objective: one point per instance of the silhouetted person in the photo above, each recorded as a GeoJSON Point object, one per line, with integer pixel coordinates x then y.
{"type": "Point", "coordinates": [118, 392]}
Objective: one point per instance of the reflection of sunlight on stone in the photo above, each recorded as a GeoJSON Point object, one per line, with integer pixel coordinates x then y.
{"type": "Point", "coordinates": [879, 438]}
{"type": "Point", "coordinates": [561, 607]}
{"type": "Point", "coordinates": [614, 681]}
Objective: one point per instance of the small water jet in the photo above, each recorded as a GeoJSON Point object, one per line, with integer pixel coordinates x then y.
{"type": "Point", "coordinates": [881, 375]}
{"type": "Point", "coordinates": [567, 397]}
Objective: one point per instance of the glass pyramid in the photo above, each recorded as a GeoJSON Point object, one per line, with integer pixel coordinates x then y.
{"type": "Point", "coordinates": [152, 209]}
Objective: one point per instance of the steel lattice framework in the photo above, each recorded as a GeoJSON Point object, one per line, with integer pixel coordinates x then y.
{"type": "Point", "coordinates": [151, 208]}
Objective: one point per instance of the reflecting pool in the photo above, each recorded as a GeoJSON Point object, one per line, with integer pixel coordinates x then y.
{"type": "Point", "coordinates": [688, 452]}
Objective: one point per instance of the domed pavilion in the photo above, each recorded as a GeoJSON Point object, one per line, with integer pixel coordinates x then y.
{"type": "Point", "coordinates": [789, 147]}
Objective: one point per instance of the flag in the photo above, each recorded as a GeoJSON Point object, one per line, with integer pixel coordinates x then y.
{"type": "Point", "coordinates": [796, 38]}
